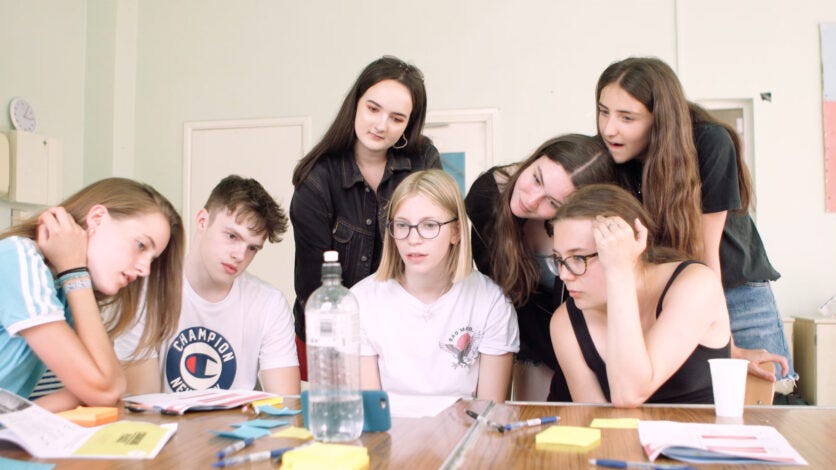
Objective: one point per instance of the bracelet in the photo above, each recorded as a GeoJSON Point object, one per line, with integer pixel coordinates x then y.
{"type": "Point", "coordinates": [77, 284]}
{"type": "Point", "coordinates": [70, 277]}
{"type": "Point", "coordinates": [70, 271]}
{"type": "Point", "coordinates": [75, 274]}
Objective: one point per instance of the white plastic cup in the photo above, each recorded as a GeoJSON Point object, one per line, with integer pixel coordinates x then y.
{"type": "Point", "coordinates": [728, 382]}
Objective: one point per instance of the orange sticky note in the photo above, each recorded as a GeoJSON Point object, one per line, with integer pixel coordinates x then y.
{"type": "Point", "coordinates": [91, 415]}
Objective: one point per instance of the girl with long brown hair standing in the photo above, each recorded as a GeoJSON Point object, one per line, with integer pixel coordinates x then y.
{"type": "Point", "coordinates": [687, 169]}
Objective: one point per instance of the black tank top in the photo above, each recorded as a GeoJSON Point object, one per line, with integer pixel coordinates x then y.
{"type": "Point", "coordinates": [690, 384]}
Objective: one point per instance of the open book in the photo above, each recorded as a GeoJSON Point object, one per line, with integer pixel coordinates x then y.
{"type": "Point", "coordinates": [46, 435]}
{"type": "Point", "coordinates": [716, 443]}
{"type": "Point", "coordinates": [195, 400]}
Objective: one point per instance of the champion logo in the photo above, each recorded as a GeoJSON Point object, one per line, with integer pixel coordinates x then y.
{"type": "Point", "coordinates": [199, 358]}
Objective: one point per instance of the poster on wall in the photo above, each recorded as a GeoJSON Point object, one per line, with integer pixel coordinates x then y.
{"type": "Point", "coordinates": [465, 140]}
{"type": "Point", "coordinates": [828, 65]}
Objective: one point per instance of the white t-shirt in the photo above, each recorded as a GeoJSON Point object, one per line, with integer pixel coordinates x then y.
{"type": "Point", "coordinates": [433, 349]}
{"type": "Point", "coordinates": [224, 344]}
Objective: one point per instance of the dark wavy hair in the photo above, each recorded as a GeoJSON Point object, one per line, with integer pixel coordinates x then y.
{"type": "Point", "coordinates": [341, 136]}
{"type": "Point", "coordinates": [514, 269]}
{"type": "Point", "coordinates": [670, 176]}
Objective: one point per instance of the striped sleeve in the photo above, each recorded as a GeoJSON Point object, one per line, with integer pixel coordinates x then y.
{"type": "Point", "coordinates": [27, 289]}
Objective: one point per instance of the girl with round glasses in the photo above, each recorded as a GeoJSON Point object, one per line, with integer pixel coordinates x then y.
{"type": "Point", "coordinates": [688, 170]}
{"type": "Point", "coordinates": [509, 207]}
{"type": "Point", "coordinates": [431, 325]}
{"type": "Point", "coordinates": [641, 321]}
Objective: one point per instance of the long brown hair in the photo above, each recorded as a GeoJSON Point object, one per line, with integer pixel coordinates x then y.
{"type": "Point", "coordinates": [341, 136]}
{"type": "Point", "coordinates": [609, 200]}
{"type": "Point", "coordinates": [123, 199]}
{"type": "Point", "coordinates": [514, 269]}
{"type": "Point", "coordinates": [670, 178]}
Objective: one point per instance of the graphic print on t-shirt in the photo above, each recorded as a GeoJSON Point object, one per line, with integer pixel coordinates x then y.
{"type": "Point", "coordinates": [199, 358]}
{"type": "Point", "coordinates": [463, 344]}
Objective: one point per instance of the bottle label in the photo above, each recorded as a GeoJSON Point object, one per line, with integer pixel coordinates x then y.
{"type": "Point", "coordinates": [333, 330]}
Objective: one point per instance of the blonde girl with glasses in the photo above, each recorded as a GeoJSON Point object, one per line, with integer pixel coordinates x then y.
{"type": "Point", "coordinates": [431, 324]}
{"type": "Point", "coordinates": [641, 321]}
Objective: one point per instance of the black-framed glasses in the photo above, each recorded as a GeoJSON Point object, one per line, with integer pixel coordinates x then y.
{"type": "Point", "coordinates": [574, 264]}
{"type": "Point", "coordinates": [427, 229]}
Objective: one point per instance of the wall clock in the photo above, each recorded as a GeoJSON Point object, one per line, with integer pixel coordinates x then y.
{"type": "Point", "coordinates": [22, 114]}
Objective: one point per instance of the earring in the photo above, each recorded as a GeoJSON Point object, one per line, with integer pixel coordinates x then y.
{"type": "Point", "coordinates": [405, 142]}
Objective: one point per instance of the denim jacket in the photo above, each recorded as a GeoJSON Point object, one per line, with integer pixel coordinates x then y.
{"type": "Point", "coordinates": [334, 209]}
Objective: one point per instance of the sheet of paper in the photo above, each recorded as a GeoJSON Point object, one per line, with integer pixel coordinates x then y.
{"type": "Point", "coordinates": [716, 443]}
{"type": "Point", "coordinates": [293, 432]}
{"type": "Point", "coordinates": [11, 464]}
{"type": "Point", "coordinates": [211, 399]}
{"type": "Point", "coordinates": [418, 406]}
{"type": "Point", "coordinates": [574, 436]}
{"type": "Point", "coordinates": [127, 439]}
{"type": "Point", "coordinates": [262, 423]}
{"type": "Point", "coordinates": [243, 432]}
{"type": "Point", "coordinates": [47, 435]}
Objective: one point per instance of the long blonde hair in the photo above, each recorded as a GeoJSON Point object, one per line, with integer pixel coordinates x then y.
{"type": "Point", "coordinates": [442, 190]}
{"type": "Point", "coordinates": [123, 199]}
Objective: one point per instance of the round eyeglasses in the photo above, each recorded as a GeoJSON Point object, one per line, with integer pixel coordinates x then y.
{"type": "Point", "coordinates": [574, 264]}
{"type": "Point", "coordinates": [427, 229]}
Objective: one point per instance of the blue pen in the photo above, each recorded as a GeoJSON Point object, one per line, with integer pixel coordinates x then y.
{"type": "Point", "coordinates": [254, 457]}
{"type": "Point", "coordinates": [235, 447]}
{"type": "Point", "coordinates": [530, 422]}
{"type": "Point", "coordinates": [609, 463]}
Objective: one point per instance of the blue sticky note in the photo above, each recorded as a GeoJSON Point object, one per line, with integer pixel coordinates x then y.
{"type": "Point", "coordinates": [262, 423]}
{"type": "Point", "coordinates": [273, 411]}
{"type": "Point", "coordinates": [11, 464]}
{"type": "Point", "coordinates": [243, 432]}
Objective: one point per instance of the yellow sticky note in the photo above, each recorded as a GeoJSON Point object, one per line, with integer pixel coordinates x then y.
{"type": "Point", "coordinates": [568, 436]}
{"type": "Point", "coordinates": [293, 432]}
{"type": "Point", "coordinates": [91, 415]}
{"type": "Point", "coordinates": [267, 401]}
{"type": "Point", "coordinates": [615, 423]}
{"type": "Point", "coordinates": [320, 456]}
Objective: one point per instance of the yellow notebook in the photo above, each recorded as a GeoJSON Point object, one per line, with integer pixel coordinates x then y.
{"type": "Point", "coordinates": [320, 456]}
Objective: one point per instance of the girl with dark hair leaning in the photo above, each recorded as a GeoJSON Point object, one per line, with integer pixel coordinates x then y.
{"type": "Point", "coordinates": [343, 185]}
{"type": "Point", "coordinates": [509, 207]}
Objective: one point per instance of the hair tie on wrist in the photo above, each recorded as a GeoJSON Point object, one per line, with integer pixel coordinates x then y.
{"type": "Point", "coordinates": [71, 271]}
{"type": "Point", "coordinates": [70, 274]}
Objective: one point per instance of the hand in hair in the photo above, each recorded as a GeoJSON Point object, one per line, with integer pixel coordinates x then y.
{"type": "Point", "coordinates": [619, 247]}
{"type": "Point", "coordinates": [62, 241]}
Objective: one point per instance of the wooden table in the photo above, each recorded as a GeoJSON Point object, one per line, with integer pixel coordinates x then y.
{"type": "Point", "coordinates": [426, 442]}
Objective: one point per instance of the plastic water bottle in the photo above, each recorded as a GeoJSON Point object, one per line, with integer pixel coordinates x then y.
{"type": "Point", "coordinates": [332, 327]}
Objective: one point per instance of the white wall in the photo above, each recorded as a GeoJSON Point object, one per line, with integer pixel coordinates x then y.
{"type": "Point", "coordinates": [772, 46]}
{"type": "Point", "coordinates": [536, 61]}
{"type": "Point", "coordinates": [43, 60]}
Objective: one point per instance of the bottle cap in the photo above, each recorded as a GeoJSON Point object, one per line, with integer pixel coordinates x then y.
{"type": "Point", "coordinates": [331, 256]}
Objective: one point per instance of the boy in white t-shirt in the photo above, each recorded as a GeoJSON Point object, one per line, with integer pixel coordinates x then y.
{"type": "Point", "coordinates": [234, 328]}
{"type": "Point", "coordinates": [431, 325]}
